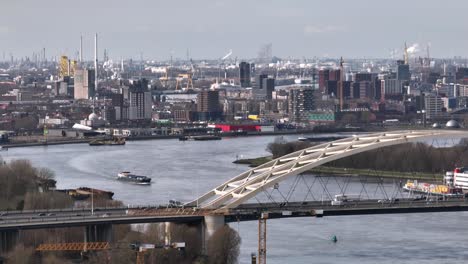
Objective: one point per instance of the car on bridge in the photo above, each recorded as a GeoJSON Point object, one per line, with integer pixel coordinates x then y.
{"type": "Point", "coordinates": [341, 199]}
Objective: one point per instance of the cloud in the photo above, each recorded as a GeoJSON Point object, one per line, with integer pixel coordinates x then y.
{"type": "Point", "coordinates": [319, 29]}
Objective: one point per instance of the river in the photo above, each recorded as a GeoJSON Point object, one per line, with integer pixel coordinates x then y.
{"type": "Point", "coordinates": [184, 170]}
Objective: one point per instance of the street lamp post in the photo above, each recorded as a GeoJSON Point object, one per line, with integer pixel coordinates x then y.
{"type": "Point", "coordinates": [92, 202]}
{"type": "Point", "coordinates": [423, 117]}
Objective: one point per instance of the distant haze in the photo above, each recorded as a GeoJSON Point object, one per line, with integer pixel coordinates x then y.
{"type": "Point", "coordinates": [210, 28]}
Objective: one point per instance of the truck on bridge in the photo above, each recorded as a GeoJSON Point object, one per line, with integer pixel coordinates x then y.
{"type": "Point", "coordinates": [341, 199]}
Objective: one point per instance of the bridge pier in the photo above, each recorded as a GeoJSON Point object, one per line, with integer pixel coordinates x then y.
{"type": "Point", "coordinates": [99, 233]}
{"type": "Point", "coordinates": [210, 224]}
{"type": "Point", "coordinates": [8, 240]}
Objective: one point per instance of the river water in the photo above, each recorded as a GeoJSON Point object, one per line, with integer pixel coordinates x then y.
{"type": "Point", "coordinates": [185, 170]}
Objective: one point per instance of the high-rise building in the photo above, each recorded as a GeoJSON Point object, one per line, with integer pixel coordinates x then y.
{"type": "Point", "coordinates": [332, 87]}
{"type": "Point", "coordinates": [461, 73]}
{"type": "Point", "coordinates": [259, 81]}
{"type": "Point", "coordinates": [347, 89]}
{"type": "Point", "coordinates": [433, 105]}
{"type": "Point", "coordinates": [208, 107]}
{"type": "Point", "coordinates": [258, 90]}
{"type": "Point", "coordinates": [377, 89]}
{"type": "Point", "coordinates": [244, 74]}
{"type": "Point", "coordinates": [334, 75]}
{"type": "Point", "coordinates": [301, 104]}
{"type": "Point", "coordinates": [392, 87]}
{"type": "Point", "coordinates": [356, 90]}
{"type": "Point", "coordinates": [141, 102]}
{"type": "Point", "coordinates": [140, 105]}
{"type": "Point", "coordinates": [365, 90]}
{"type": "Point", "coordinates": [363, 76]}
{"type": "Point", "coordinates": [84, 84]}
{"type": "Point", "coordinates": [269, 86]}
{"type": "Point", "coordinates": [403, 71]}
{"type": "Point", "coordinates": [323, 78]}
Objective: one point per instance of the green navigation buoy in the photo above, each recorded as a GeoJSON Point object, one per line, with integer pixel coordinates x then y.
{"type": "Point", "coordinates": [334, 239]}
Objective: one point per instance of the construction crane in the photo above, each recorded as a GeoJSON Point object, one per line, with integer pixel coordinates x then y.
{"type": "Point", "coordinates": [405, 56]}
{"type": "Point", "coordinates": [341, 84]}
{"type": "Point", "coordinates": [262, 236]}
{"type": "Point", "coordinates": [184, 76]}
{"type": "Point", "coordinates": [165, 78]}
{"type": "Point", "coordinates": [193, 70]}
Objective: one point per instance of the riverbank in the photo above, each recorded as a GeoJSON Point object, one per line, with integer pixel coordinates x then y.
{"type": "Point", "coordinates": [328, 171]}
{"type": "Point", "coordinates": [61, 141]}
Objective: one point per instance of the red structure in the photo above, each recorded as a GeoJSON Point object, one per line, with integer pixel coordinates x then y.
{"type": "Point", "coordinates": [238, 128]}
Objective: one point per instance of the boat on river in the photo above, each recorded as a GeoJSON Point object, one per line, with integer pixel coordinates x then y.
{"type": "Point", "coordinates": [115, 141]}
{"type": "Point", "coordinates": [130, 177]}
{"type": "Point", "coordinates": [200, 138]}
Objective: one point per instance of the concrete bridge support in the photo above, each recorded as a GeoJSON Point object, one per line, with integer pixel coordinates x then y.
{"type": "Point", "coordinates": [99, 233]}
{"type": "Point", "coordinates": [8, 240]}
{"type": "Point", "coordinates": [204, 229]}
{"type": "Point", "coordinates": [209, 226]}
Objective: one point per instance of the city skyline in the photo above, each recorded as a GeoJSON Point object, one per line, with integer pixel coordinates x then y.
{"type": "Point", "coordinates": [209, 29]}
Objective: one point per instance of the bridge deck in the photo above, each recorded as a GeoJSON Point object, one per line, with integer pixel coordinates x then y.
{"type": "Point", "coordinates": [246, 212]}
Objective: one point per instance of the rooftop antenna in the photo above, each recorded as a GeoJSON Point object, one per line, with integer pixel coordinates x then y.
{"type": "Point", "coordinates": [96, 62]}
{"type": "Point", "coordinates": [81, 49]}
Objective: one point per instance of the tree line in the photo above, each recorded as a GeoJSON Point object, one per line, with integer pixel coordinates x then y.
{"type": "Point", "coordinates": [27, 187]}
{"type": "Point", "coordinates": [408, 157]}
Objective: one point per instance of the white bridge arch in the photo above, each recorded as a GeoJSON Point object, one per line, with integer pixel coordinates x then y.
{"type": "Point", "coordinates": [248, 184]}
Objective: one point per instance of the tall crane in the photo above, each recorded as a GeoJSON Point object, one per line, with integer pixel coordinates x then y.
{"type": "Point", "coordinates": [262, 236]}
{"type": "Point", "coordinates": [341, 94]}
{"type": "Point", "coordinates": [406, 57]}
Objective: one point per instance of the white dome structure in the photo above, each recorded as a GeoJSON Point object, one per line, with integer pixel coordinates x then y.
{"type": "Point", "coordinates": [93, 117]}
{"type": "Point", "coordinates": [436, 125]}
{"type": "Point", "coordinates": [452, 124]}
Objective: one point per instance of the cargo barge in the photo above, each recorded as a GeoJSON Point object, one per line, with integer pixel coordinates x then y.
{"type": "Point", "coordinates": [116, 141]}
{"type": "Point", "coordinates": [432, 189]}
{"type": "Point", "coordinates": [200, 138]}
{"type": "Point", "coordinates": [137, 179]}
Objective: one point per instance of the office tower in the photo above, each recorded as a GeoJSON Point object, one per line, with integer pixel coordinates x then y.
{"type": "Point", "coordinates": [403, 71]}
{"type": "Point", "coordinates": [301, 103]}
{"type": "Point", "coordinates": [141, 102]}
{"type": "Point", "coordinates": [84, 84]}
{"type": "Point", "coordinates": [244, 74]}
{"type": "Point", "coordinates": [208, 105]}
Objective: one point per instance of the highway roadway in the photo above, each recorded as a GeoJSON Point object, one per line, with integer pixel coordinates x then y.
{"type": "Point", "coordinates": [248, 212]}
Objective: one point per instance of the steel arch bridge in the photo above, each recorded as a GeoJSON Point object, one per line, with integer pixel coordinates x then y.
{"type": "Point", "coordinates": [248, 184]}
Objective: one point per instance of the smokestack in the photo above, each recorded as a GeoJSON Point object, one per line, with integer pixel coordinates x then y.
{"type": "Point", "coordinates": [95, 62]}
{"type": "Point", "coordinates": [81, 49]}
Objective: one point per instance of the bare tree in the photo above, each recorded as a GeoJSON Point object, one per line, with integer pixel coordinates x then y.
{"type": "Point", "coordinates": [224, 246]}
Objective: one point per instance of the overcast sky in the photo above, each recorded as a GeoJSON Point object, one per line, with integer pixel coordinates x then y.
{"type": "Point", "coordinates": [209, 28]}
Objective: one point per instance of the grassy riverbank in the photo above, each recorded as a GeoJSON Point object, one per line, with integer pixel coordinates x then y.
{"type": "Point", "coordinates": [325, 170]}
